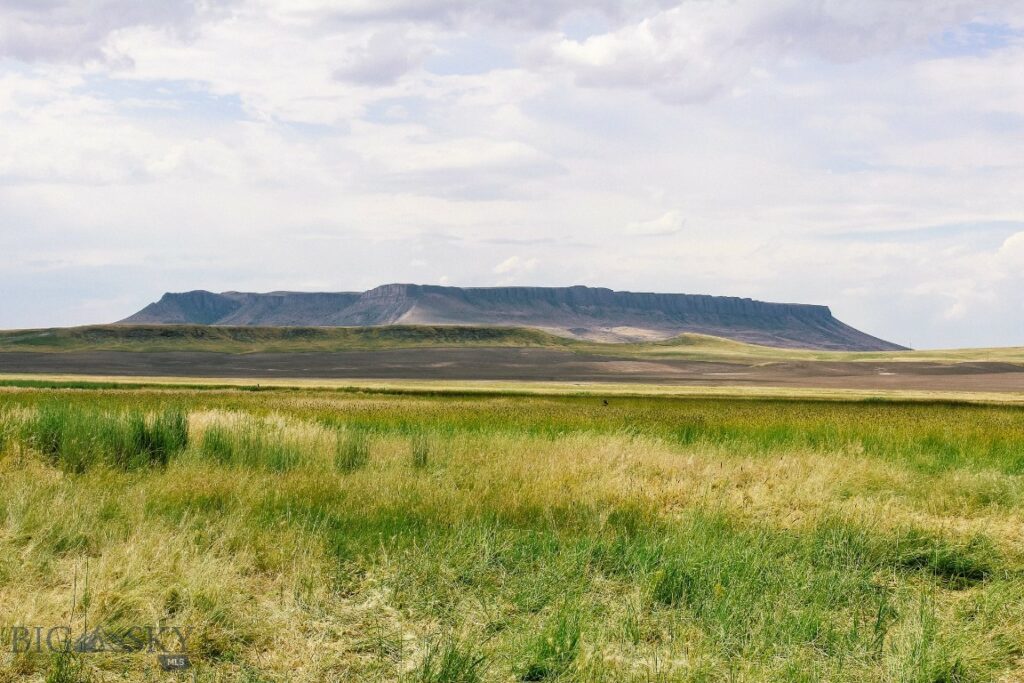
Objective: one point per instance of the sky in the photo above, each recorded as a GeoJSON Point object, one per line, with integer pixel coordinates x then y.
{"type": "Point", "coordinates": [863, 154]}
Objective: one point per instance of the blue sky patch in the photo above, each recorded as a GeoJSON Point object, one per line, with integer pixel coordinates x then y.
{"type": "Point", "coordinates": [173, 98]}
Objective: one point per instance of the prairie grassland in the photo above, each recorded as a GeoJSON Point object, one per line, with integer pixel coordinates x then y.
{"type": "Point", "coordinates": [313, 535]}
{"type": "Point", "coordinates": [269, 339]}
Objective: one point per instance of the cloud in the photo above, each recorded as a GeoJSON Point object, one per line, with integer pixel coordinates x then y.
{"type": "Point", "coordinates": [171, 134]}
{"type": "Point", "coordinates": [670, 223]}
{"type": "Point", "coordinates": [412, 158]}
{"type": "Point", "coordinates": [685, 53]}
{"type": "Point", "coordinates": [516, 266]}
{"type": "Point", "coordinates": [386, 57]}
{"type": "Point", "coordinates": [694, 51]}
{"type": "Point", "coordinates": [518, 14]}
{"type": "Point", "coordinates": [1012, 252]}
{"type": "Point", "coordinates": [993, 82]}
{"type": "Point", "coordinates": [77, 30]}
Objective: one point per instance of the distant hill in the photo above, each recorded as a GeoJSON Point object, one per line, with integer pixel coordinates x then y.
{"type": "Point", "coordinates": [580, 312]}
{"type": "Point", "coordinates": [224, 339]}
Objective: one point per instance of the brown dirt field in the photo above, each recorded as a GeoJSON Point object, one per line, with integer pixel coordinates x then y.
{"type": "Point", "coordinates": [526, 365]}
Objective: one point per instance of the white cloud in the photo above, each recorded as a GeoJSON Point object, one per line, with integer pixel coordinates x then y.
{"type": "Point", "coordinates": [385, 57]}
{"type": "Point", "coordinates": [697, 50]}
{"type": "Point", "coordinates": [669, 223]}
{"type": "Point", "coordinates": [514, 265]}
{"type": "Point", "coordinates": [820, 139]}
{"type": "Point", "coordinates": [992, 82]}
{"type": "Point", "coordinates": [1011, 253]}
{"type": "Point", "coordinates": [523, 14]}
{"type": "Point", "coordinates": [78, 30]}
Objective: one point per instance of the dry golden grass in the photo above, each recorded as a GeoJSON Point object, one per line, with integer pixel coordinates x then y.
{"type": "Point", "coordinates": [547, 538]}
{"type": "Point", "coordinates": [16, 382]}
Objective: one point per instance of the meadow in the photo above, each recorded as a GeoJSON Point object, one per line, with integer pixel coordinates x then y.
{"type": "Point", "coordinates": [316, 535]}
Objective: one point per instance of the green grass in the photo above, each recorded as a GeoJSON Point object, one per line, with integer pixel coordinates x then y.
{"type": "Point", "coordinates": [452, 661]}
{"type": "Point", "coordinates": [67, 668]}
{"type": "Point", "coordinates": [252, 444]}
{"type": "Point", "coordinates": [420, 447]}
{"type": "Point", "coordinates": [555, 649]}
{"type": "Point", "coordinates": [317, 535]}
{"type": "Point", "coordinates": [269, 339]}
{"type": "Point", "coordinates": [352, 451]}
{"type": "Point", "coordinates": [76, 439]}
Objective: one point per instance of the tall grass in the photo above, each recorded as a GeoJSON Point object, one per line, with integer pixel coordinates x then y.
{"type": "Point", "coordinates": [452, 660]}
{"type": "Point", "coordinates": [253, 444]}
{"type": "Point", "coordinates": [77, 439]}
{"type": "Point", "coordinates": [66, 667]}
{"type": "Point", "coordinates": [219, 444]}
{"type": "Point", "coordinates": [933, 438]}
{"type": "Point", "coordinates": [352, 451]}
{"type": "Point", "coordinates": [8, 427]}
{"type": "Point", "coordinates": [310, 536]}
{"type": "Point", "coordinates": [553, 651]}
{"type": "Point", "coordinates": [420, 446]}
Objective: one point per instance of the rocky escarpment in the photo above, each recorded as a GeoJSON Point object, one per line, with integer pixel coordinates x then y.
{"type": "Point", "coordinates": [588, 312]}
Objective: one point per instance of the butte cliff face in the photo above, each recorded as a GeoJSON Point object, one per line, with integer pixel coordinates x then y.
{"type": "Point", "coordinates": [587, 312]}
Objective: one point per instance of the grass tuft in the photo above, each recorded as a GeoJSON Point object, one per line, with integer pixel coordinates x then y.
{"type": "Point", "coordinates": [78, 438]}
{"type": "Point", "coordinates": [168, 433]}
{"type": "Point", "coordinates": [555, 649]}
{"type": "Point", "coordinates": [352, 451]}
{"type": "Point", "coordinates": [219, 444]}
{"type": "Point", "coordinates": [452, 661]}
{"type": "Point", "coordinates": [8, 431]}
{"type": "Point", "coordinates": [420, 445]}
{"type": "Point", "coordinates": [674, 585]}
{"type": "Point", "coordinates": [253, 444]}
{"type": "Point", "coordinates": [956, 565]}
{"type": "Point", "coordinates": [66, 667]}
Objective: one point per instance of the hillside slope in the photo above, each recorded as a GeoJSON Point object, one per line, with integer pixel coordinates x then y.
{"type": "Point", "coordinates": [580, 312]}
{"type": "Point", "coordinates": [241, 339]}
{"type": "Point", "coordinates": [304, 340]}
